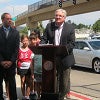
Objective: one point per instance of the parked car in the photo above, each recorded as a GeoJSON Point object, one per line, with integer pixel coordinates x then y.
{"type": "Point", "coordinates": [87, 54]}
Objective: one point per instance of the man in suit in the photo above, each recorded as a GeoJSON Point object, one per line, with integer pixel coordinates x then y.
{"type": "Point", "coordinates": [9, 46]}
{"type": "Point", "coordinates": [62, 34]}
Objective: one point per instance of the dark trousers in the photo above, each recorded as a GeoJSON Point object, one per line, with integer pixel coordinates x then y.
{"type": "Point", "coordinates": [63, 78]}
{"type": "Point", "coordinates": [9, 76]}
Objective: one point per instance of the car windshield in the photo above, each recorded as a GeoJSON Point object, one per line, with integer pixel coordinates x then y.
{"type": "Point", "coordinates": [95, 45]}
{"type": "Point", "coordinates": [96, 37]}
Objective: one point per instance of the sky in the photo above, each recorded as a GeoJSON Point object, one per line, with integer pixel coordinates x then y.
{"type": "Point", "coordinates": [15, 7]}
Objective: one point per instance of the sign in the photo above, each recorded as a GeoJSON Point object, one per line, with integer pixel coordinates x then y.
{"type": "Point", "coordinates": [14, 18]}
{"type": "Point", "coordinates": [38, 63]}
{"type": "Point", "coordinates": [48, 65]}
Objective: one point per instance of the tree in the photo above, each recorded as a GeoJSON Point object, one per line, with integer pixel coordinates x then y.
{"type": "Point", "coordinates": [24, 30]}
{"type": "Point", "coordinates": [96, 26]}
{"type": "Point", "coordinates": [40, 28]}
{"type": "Point", "coordinates": [79, 26]}
{"type": "Point", "coordinates": [74, 25]}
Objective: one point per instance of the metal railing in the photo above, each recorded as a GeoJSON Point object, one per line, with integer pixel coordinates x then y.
{"type": "Point", "coordinates": [39, 5]}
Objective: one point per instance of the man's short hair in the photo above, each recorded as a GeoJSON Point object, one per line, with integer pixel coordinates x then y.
{"type": "Point", "coordinates": [63, 11]}
{"type": "Point", "coordinates": [3, 15]}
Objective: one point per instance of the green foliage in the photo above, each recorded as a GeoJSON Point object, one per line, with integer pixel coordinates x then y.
{"type": "Point", "coordinates": [80, 26]}
{"type": "Point", "coordinates": [75, 26]}
{"type": "Point", "coordinates": [24, 30]}
{"type": "Point", "coordinates": [96, 26]}
{"type": "Point", "coordinates": [40, 27]}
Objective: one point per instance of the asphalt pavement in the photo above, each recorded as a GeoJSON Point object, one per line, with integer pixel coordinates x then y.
{"type": "Point", "coordinates": [73, 95]}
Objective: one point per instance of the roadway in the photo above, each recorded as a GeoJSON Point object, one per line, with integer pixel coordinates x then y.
{"type": "Point", "coordinates": [85, 85]}
{"type": "Point", "coordinates": [86, 82]}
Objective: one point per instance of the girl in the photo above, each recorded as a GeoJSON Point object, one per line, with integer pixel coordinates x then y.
{"type": "Point", "coordinates": [25, 68]}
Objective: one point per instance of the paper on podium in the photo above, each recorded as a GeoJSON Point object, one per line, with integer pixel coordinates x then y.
{"type": "Point", "coordinates": [45, 44]}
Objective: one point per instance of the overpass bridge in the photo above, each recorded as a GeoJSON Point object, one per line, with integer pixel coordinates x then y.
{"type": "Point", "coordinates": [44, 10]}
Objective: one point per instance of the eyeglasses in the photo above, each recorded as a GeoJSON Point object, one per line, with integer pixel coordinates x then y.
{"type": "Point", "coordinates": [59, 16]}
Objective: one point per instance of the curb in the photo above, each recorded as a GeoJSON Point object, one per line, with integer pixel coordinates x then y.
{"type": "Point", "coordinates": [79, 96]}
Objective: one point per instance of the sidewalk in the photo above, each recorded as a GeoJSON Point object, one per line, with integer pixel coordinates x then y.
{"type": "Point", "coordinates": [73, 95]}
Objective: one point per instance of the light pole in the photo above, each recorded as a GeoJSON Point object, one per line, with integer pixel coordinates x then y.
{"type": "Point", "coordinates": [13, 15]}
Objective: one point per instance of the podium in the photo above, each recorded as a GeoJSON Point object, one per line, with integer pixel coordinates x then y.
{"type": "Point", "coordinates": [48, 66]}
{"type": "Point", "coordinates": [48, 53]}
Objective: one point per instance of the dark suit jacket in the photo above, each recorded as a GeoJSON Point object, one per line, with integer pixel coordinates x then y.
{"type": "Point", "coordinates": [67, 39]}
{"type": "Point", "coordinates": [9, 46]}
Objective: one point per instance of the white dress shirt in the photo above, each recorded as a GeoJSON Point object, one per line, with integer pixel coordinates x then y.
{"type": "Point", "coordinates": [58, 35]}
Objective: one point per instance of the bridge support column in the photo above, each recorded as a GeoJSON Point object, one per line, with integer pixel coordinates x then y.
{"type": "Point", "coordinates": [31, 25]}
